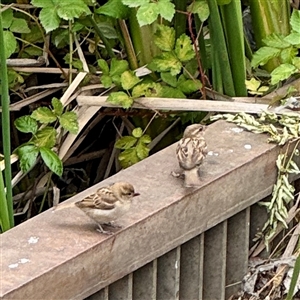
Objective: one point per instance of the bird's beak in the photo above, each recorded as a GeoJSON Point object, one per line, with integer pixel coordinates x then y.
{"type": "Point", "coordinates": [136, 194]}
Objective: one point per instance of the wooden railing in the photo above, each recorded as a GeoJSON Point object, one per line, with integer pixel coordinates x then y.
{"type": "Point", "coordinates": [176, 243]}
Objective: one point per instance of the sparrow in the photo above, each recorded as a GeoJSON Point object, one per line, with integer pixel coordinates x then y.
{"type": "Point", "coordinates": [190, 152]}
{"type": "Point", "coordinates": [108, 204]}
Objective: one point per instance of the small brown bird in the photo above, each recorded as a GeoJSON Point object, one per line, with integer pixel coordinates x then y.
{"type": "Point", "coordinates": [191, 150]}
{"type": "Point", "coordinates": [107, 204]}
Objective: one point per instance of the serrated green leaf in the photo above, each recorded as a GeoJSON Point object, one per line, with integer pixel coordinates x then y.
{"type": "Point", "coordinates": [106, 81]}
{"type": "Point", "coordinates": [117, 67]}
{"type": "Point", "coordinates": [170, 92]}
{"type": "Point", "coordinates": [184, 49]}
{"type": "Point", "coordinates": [252, 84]}
{"type": "Point", "coordinates": [44, 115]}
{"type": "Point", "coordinates": [51, 160]}
{"type": "Point", "coordinates": [166, 9]}
{"type": "Point", "coordinates": [120, 98]}
{"type": "Point", "coordinates": [129, 80]}
{"type": "Point", "coordinates": [282, 72]}
{"type": "Point", "coordinates": [137, 132]}
{"type": "Point", "coordinates": [69, 121]}
{"type": "Point", "coordinates": [57, 106]}
{"type": "Point", "coordinates": [201, 8]}
{"type": "Point", "coordinates": [125, 142]}
{"type": "Point", "coordinates": [128, 158]}
{"type": "Point", "coordinates": [114, 8]}
{"type": "Point", "coordinates": [19, 26]}
{"type": "Point", "coordinates": [150, 89]}
{"type": "Point", "coordinates": [103, 66]}
{"type": "Point", "coordinates": [164, 38]}
{"type": "Point", "coordinates": [135, 3]}
{"type": "Point", "coordinates": [26, 124]}
{"type": "Point", "coordinates": [27, 156]}
{"type": "Point", "coordinates": [145, 139]}
{"type": "Point", "coordinates": [147, 13]}
{"type": "Point", "coordinates": [169, 79]}
{"type": "Point", "coordinates": [263, 55]}
{"type": "Point", "coordinates": [295, 20]}
{"type": "Point", "coordinates": [293, 38]}
{"type": "Point", "coordinates": [288, 54]}
{"type": "Point", "coordinates": [276, 40]}
{"type": "Point", "coordinates": [189, 86]}
{"type": "Point", "coordinates": [10, 43]}
{"type": "Point", "coordinates": [142, 151]}
{"type": "Point", "coordinates": [167, 61]}
{"type": "Point", "coordinates": [45, 137]}
{"type": "Point", "coordinates": [7, 18]}
{"type": "Point", "coordinates": [49, 19]}
{"type": "Point", "coordinates": [296, 63]}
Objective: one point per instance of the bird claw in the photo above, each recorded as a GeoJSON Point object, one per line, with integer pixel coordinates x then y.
{"type": "Point", "coordinates": [177, 174]}
{"type": "Point", "coordinates": [111, 224]}
{"type": "Point", "coordinates": [101, 230]}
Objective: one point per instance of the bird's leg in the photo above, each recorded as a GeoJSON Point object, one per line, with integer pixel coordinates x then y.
{"type": "Point", "coordinates": [112, 224]}
{"type": "Point", "coordinates": [101, 230]}
{"type": "Point", "coordinates": [192, 178]}
{"type": "Point", "coordinates": [179, 174]}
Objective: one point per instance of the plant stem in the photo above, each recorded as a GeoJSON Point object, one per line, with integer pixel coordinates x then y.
{"type": "Point", "coordinates": [5, 133]}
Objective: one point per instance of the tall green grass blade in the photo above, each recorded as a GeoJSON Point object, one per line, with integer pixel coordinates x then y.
{"type": "Point", "coordinates": [294, 279]}
{"type": "Point", "coordinates": [8, 206]}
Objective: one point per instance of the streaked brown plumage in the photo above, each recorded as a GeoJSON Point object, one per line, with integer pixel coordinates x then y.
{"type": "Point", "coordinates": [107, 204]}
{"type": "Point", "coordinates": [191, 150]}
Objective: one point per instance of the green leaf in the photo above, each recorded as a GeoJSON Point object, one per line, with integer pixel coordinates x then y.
{"type": "Point", "coordinates": [7, 18]}
{"type": "Point", "coordinates": [170, 92]}
{"type": "Point", "coordinates": [117, 67]}
{"type": "Point", "coordinates": [19, 26]}
{"type": "Point", "coordinates": [276, 40]}
{"type": "Point", "coordinates": [106, 81]}
{"type": "Point", "coordinates": [44, 115]}
{"type": "Point", "coordinates": [69, 121]}
{"type": "Point", "coordinates": [166, 9]}
{"type": "Point", "coordinates": [10, 43]}
{"type": "Point", "coordinates": [128, 158]}
{"type": "Point", "coordinates": [51, 160]}
{"type": "Point", "coordinates": [137, 132]}
{"type": "Point", "coordinates": [142, 151]}
{"type": "Point", "coordinates": [184, 49]}
{"type": "Point", "coordinates": [125, 142]}
{"type": "Point", "coordinates": [49, 19]}
{"type": "Point", "coordinates": [263, 55]}
{"type": "Point", "coordinates": [150, 89]}
{"type": "Point", "coordinates": [135, 3]}
{"type": "Point", "coordinates": [27, 155]}
{"type": "Point", "coordinates": [164, 38]}
{"type": "Point", "coordinates": [295, 20]}
{"type": "Point", "coordinates": [45, 137]}
{"type": "Point", "coordinates": [26, 124]}
{"type": "Point", "coordinates": [114, 8]}
{"type": "Point", "coordinates": [57, 106]}
{"type": "Point", "coordinates": [169, 79]}
{"type": "Point", "coordinates": [167, 61]}
{"type": "Point", "coordinates": [293, 38]}
{"type": "Point", "coordinates": [189, 86]}
{"type": "Point", "coordinates": [145, 139]}
{"type": "Point", "coordinates": [103, 66]}
{"type": "Point", "coordinates": [129, 80]}
{"type": "Point", "coordinates": [201, 8]}
{"type": "Point", "coordinates": [288, 54]}
{"type": "Point", "coordinates": [120, 98]}
{"type": "Point", "coordinates": [296, 63]}
{"type": "Point", "coordinates": [147, 13]}
{"type": "Point", "coordinates": [282, 72]}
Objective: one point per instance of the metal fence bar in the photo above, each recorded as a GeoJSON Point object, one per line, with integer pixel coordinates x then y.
{"type": "Point", "coordinates": [238, 228]}
{"type": "Point", "coordinates": [191, 269]}
{"type": "Point", "coordinates": [168, 267]}
{"type": "Point", "coordinates": [214, 270]}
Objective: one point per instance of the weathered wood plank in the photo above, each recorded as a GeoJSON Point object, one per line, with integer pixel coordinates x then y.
{"type": "Point", "coordinates": [70, 260]}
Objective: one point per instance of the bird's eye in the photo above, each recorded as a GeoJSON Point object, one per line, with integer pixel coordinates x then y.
{"type": "Point", "coordinates": [129, 193]}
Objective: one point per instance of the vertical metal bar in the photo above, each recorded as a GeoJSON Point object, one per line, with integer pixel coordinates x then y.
{"type": "Point", "coordinates": [214, 267]}
{"type": "Point", "coordinates": [144, 282]}
{"type": "Point", "coordinates": [121, 289]}
{"type": "Point", "coordinates": [168, 275]}
{"type": "Point", "coordinates": [237, 250]}
{"type": "Point", "coordinates": [191, 269]}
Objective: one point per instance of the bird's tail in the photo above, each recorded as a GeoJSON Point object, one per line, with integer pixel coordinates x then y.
{"type": "Point", "coordinates": [63, 206]}
{"type": "Point", "coordinates": [191, 178]}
